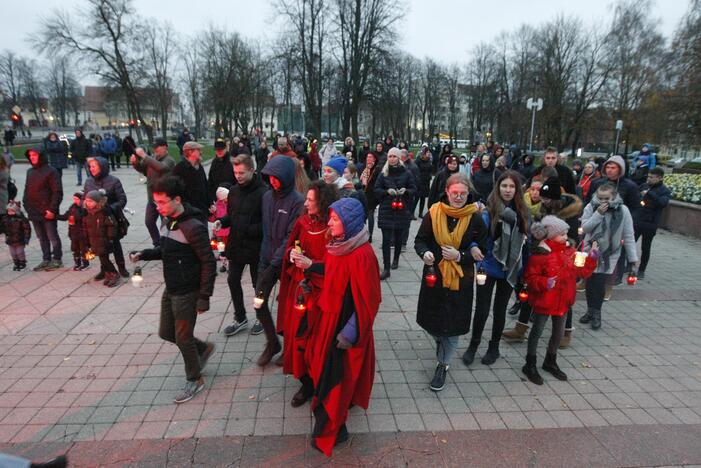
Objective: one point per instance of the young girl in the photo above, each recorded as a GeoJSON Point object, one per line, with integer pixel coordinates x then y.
{"type": "Point", "coordinates": [17, 234]}
{"type": "Point", "coordinates": [220, 211]}
{"type": "Point", "coordinates": [551, 276]}
{"type": "Point", "coordinates": [100, 229]}
{"type": "Point", "coordinates": [76, 233]}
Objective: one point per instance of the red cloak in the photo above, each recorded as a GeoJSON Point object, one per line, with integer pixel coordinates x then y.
{"type": "Point", "coordinates": [312, 237]}
{"type": "Point", "coordinates": [343, 378]}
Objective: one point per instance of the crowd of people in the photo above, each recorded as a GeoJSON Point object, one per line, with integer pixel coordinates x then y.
{"type": "Point", "coordinates": [497, 227]}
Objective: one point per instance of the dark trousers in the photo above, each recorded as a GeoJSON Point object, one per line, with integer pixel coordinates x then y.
{"type": "Point", "coordinates": [79, 168]}
{"type": "Point", "coordinates": [118, 253]}
{"type": "Point", "coordinates": [539, 322]}
{"type": "Point", "coordinates": [371, 221]}
{"type": "Point", "coordinates": [596, 287]}
{"type": "Point", "coordinates": [525, 314]}
{"type": "Point", "coordinates": [79, 247]}
{"type": "Point", "coordinates": [49, 241]}
{"type": "Point", "coordinates": [234, 281]}
{"type": "Point", "coordinates": [114, 161]}
{"type": "Point", "coordinates": [150, 219]}
{"type": "Point", "coordinates": [647, 236]}
{"type": "Point", "coordinates": [177, 325]}
{"type": "Point", "coordinates": [483, 304]}
{"type": "Point", "coordinates": [265, 282]}
{"type": "Point", "coordinates": [390, 237]}
{"type": "Point", "coordinates": [17, 252]}
{"type": "Point", "coordinates": [422, 203]}
{"type": "Point", "coordinates": [106, 265]}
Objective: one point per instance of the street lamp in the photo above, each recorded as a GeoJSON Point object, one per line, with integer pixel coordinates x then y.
{"type": "Point", "coordinates": [619, 127]}
{"type": "Point", "coordinates": [535, 106]}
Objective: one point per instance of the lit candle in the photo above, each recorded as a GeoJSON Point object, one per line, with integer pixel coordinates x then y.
{"type": "Point", "coordinates": [221, 246]}
{"type": "Point", "coordinates": [137, 278]}
{"type": "Point", "coordinates": [258, 300]}
{"type": "Point", "coordinates": [580, 230]}
{"type": "Point", "coordinates": [580, 258]}
{"type": "Point", "coordinates": [481, 276]}
{"type": "Point", "coordinates": [632, 278]}
{"type": "Point", "coordinates": [431, 277]}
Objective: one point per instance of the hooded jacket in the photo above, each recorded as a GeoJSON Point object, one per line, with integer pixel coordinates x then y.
{"type": "Point", "coordinates": [484, 179]}
{"type": "Point", "coordinates": [280, 209]}
{"type": "Point", "coordinates": [116, 197]}
{"type": "Point", "coordinates": [245, 220]}
{"type": "Point", "coordinates": [56, 151]}
{"type": "Point", "coordinates": [220, 172]}
{"type": "Point", "coordinates": [626, 188]}
{"type": "Point", "coordinates": [81, 148]}
{"type": "Point", "coordinates": [43, 190]}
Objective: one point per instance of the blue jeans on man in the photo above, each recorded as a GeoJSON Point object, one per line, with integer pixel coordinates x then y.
{"type": "Point", "coordinates": [79, 167]}
{"type": "Point", "coordinates": [47, 233]}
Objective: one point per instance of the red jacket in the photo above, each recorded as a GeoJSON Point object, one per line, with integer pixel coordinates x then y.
{"type": "Point", "coordinates": [552, 259]}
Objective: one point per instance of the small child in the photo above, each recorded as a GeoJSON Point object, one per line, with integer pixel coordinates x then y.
{"type": "Point", "coordinates": [551, 275]}
{"type": "Point", "coordinates": [101, 230]}
{"type": "Point", "coordinates": [76, 232]}
{"type": "Point", "coordinates": [17, 234]}
{"type": "Point", "coordinates": [220, 211]}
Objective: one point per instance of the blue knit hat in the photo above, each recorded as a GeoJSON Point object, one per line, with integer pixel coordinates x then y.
{"type": "Point", "coordinates": [338, 164]}
{"type": "Point", "coordinates": [352, 215]}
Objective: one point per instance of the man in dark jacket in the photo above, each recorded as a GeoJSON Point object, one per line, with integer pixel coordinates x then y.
{"type": "Point", "coordinates": [57, 153]}
{"type": "Point", "coordinates": [281, 207]}
{"type": "Point", "coordinates": [245, 218]}
{"type": "Point", "coordinates": [220, 171]}
{"type": "Point", "coordinates": [183, 138]}
{"type": "Point", "coordinates": [116, 199]}
{"type": "Point", "coordinates": [194, 179]}
{"type": "Point", "coordinates": [613, 173]}
{"type": "Point", "coordinates": [189, 271]}
{"type": "Point", "coordinates": [655, 197]}
{"type": "Point", "coordinates": [43, 193]}
{"type": "Point", "coordinates": [81, 148]}
{"type": "Point", "coordinates": [564, 173]}
{"type": "Point", "coordinates": [153, 167]}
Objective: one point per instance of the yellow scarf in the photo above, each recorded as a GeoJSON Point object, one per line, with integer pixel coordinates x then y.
{"type": "Point", "coordinates": [451, 271]}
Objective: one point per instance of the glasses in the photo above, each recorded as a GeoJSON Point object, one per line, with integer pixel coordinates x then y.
{"type": "Point", "coordinates": [457, 195]}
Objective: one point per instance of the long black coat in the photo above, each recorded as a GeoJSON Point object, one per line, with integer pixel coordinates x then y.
{"type": "Point", "coordinates": [388, 218]}
{"type": "Point", "coordinates": [425, 171]}
{"type": "Point", "coordinates": [220, 172]}
{"type": "Point", "coordinates": [196, 189]}
{"type": "Point", "coordinates": [438, 186]}
{"type": "Point", "coordinates": [442, 312]}
{"type": "Point", "coordinates": [245, 218]}
{"type": "Point", "coordinates": [43, 190]}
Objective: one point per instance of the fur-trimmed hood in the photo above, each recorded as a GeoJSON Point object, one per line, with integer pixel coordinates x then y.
{"type": "Point", "coordinates": [572, 206]}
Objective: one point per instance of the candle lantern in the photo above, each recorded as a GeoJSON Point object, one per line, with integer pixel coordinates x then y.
{"type": "Point", "coordinates": [580, 230]}
{"type": "Point", "coordinates": [213, 244]}
{"type": "Point", "coordinates": [89, 255]}
{"type": "Point", "coordinates": [221, 246]}
{"type": "Point", "coordinates": [481, 276]}
{"type": "Point", "coordinates": [632, 278]}
{"type": "Point", "coordinates": [137, 277]}
{"type": "Point", "coordinates": [395, 205]}
{"type": "Point", "coordinates": [431, 277]}
{"type": "Point", "coordinates": [523, 294]}
{"type": "Point", "coordinates": [300, 306]}
{"type": "Point", "coordinates": [580, 258]}
{"type": "Point", "coordinates": [400, 205]}
{"type": "Point", "coordinates": [258, 300]}
{"type": "Point", "coordinates": [71, 220]}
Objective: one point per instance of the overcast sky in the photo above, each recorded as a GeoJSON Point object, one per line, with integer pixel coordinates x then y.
{"type": "Point", "coordinates": [445, 30]}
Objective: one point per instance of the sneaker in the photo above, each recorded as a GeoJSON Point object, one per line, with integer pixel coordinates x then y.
{"type": "Point", "coordinates": [438, 381]}
{"type": "Point", "coordinates": [42, 266]}
{"type": "Point", "coordinates": [257, 328]}
{"type": "Point", "coordinates": [204, 357]}
{"type": "Point", "coordinates": [236, 327]}
{"type": "Point", "coordinates": [54, 265]}
{"type": "Point", "coordinates": [189, 391]}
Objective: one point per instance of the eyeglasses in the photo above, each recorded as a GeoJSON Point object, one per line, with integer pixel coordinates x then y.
{"type": "Point", "coordinates": [457, 195]}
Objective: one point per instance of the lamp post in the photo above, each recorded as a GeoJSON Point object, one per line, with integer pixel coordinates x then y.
{"type": "Point", "coordinates": [535, 105]}
{"type": "Point", "coordinates": [619, 127]}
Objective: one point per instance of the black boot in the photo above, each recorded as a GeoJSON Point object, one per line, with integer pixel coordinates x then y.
{"type": "Point", "coordinates": [123, 271]}
{"type": "Point", "coordinates": [515, 309]}
{"type": "Point", "coordinates": [58, 462]}
{"type": "Point", "coordinates": [385, 274]}
{"type": "Point", "coordinates": [438, 381]}
{"type": "Point", "coordinates": [492, 353]}
{"type": "Point", "coordinates": [76, 262]}
{"type": "Point", "coordinates": [469, 355]}
{"type": "Point", "coordinates": [304, 393]}
{"type": "Point", "coordinates": [16, 267]}
{"type": "Point", "coordinates": [395, 264]}
{"type": "Point", "coordinates": [22, 265]}
{"type": "Point", "coordinates": [550, 365]}
{"type": "Point", "coordinates": [531, 370]}
{"type": "Point", "coordinates": [586, 318]}
{"type": "Point", "coordinates": [272, 346]}
{"type": "Point", "coordinates": [595, 319]}
{"type": "Point", "coordinates": [85, 264]}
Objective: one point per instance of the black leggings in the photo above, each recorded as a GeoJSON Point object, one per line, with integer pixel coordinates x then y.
{"type": "Point", "coordinates": [371, 221]}
{"type": "Point", "coordinates": [648, 236]}
{"type": "Point", "coordinates": [525, 314]}
{"type": "Point", "coordinates": [422, 202]}
{"type": "Point", "coordinates": [539, 322]}
{"type": "Point", "coordinates": [483, 304]}
{"type": "Point", "coordinates": [596, 287]}
{"type": "Point", "coordinates": [389, 237]}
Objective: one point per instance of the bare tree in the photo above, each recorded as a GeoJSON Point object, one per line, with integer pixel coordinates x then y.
{"type": "Point", "coordinates": [451, 80]}
{"type": "Point", "coordinates": [62, 90]}
{"type": "Point", "coordinates": [194, 84]}
{"type": "Point", "coordinates": [10, 83]}
{"type": "Point", "coordinates": [159, 45]}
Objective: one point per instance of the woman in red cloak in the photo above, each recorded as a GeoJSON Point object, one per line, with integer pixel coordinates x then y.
{"type": "Point", "coordinates": [303, 263]}
{"type": "Point", "coordinates": [342, 348]}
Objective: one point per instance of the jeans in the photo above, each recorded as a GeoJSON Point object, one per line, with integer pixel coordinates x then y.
{"type": "Point", "coordinates": [48, 238]}
{"type": "Point", "coordinates": [150, 219]}
{"type": "Point", "coordinates": [446, 348]}
{"type": "Point", "coordinates": [113, 161]}
{"type": "Point", "coordinates": [482, 306]}
{"type": "Point", "coordinates": [17, 252]}
{"type": "Point", "coordinates": [389, 237]}
{"type": "Point", "coordinates": [79, 168]}
{"type": "Point", "coordinates": [596, 287]}
{"type": "Point", "coordinates": [647, 235]}
{"type": "Point", "coordinates": [177, 325]}
{"type": "Point", "coordinates": [234, 281]}
{"type": "Point", "coordinates": [539, 322]}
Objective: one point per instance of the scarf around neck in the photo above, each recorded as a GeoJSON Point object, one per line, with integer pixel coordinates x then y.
{"type": "Point", "coordinates": [609, 232]}
{"type": "Point", "coordinates": [451, 271]}
{"type": "Point", "coordinates": [507, 247]}
{"type": "Point", "coordinates": [344, 247]}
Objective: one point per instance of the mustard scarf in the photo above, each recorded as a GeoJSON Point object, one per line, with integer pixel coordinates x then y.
{"type": "Point", "coordinates": [451, 271]}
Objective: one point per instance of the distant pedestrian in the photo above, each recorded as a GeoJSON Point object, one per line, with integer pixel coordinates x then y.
{"type": "Point", "coordinates": [74, 215]}
{"type": "Point", "coordinates": [655, 197]}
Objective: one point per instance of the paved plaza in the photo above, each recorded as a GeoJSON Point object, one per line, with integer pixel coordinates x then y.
{"type": "Point", "coordinates": [83, 369]}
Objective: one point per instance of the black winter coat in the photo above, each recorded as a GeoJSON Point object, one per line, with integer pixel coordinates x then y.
{"type": "Point", "coordinates": [74, 215]}
{"type": "Point", "coordinates": [483, 181]}
{"type": "Point", "coordinates": [16, 228]}
{"type": "Point", "coordinates": [43, 190]}
{"type": "Point", "coordinates": [389, 218]}
{"type": "Point", "coordinates": [188, 261]}
{"type": "Point", "coordinates": [425, 171]}
{"type": "Point", "coordinates": [101, 231]}
{"type": "Point", "coordinates": [442, 312]}
{"type": "Point", "coordinates": [57, 153]}
{"type": "Point", "coordinates": [245, 218]}
{"type": "Point", "coordinates": [438, 186]}
{"type": "Point", "coordinates": [116, 197]}
{"type": "Point", "coordinates": [81, 148]}
{"type": "Point", "coordinates": [565, 175]}
{"type": "Point", "coordinates": [220, 172]}
{"type": "Point", "coordinates": [196, 189]}
{"type": "Point", "coordinates": [655, 200]}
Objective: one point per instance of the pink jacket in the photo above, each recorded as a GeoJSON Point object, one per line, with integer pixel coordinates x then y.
{"type": "Point", "coordinates": [220, 212]}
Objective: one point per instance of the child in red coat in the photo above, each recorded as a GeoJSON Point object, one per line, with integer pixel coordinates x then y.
{"type": "Point", "coordinates": [551, 277]}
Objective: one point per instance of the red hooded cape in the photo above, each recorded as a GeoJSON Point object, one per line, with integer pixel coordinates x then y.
{"type": "Point", "coordinates": [312, 237]}
{"type": "Point", "coordinates": [343, 378]}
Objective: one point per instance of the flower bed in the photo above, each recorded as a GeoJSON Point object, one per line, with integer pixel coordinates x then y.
{"type": "Point", "coordinates": [684, 187]}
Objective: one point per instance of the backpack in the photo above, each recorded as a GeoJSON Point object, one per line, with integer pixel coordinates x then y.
{"type": "Point", "coordinates": [122, 224]}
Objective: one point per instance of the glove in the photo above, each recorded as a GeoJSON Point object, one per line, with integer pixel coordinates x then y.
{"type": "Point", "coordinates": [401, 191]}
{"type": "Point", "coordinates": [202, 304]}
{"type": "Point", "coordinates": [392, 192]}
{"type": "Point", "coordinates": [595, 254]}
{"type": "Point", "coordinates": [428, 258]}
{"type": "Point", "coordinates": [551, 282]}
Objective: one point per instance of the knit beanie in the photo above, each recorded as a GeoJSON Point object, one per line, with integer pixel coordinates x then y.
{"type": "Point", "coordinates": [338, 164]}
{"type": "Point", "coordinates": [551, 189]}
{"type": "Point", "coordinates": [79, 194]}
{"type": "Point", "coordinates": [222, 193]}
{"type": "Point", "coordinates": [352, 215]}
{"type": "Point", "coordinates": [95, 195]}
{"type": "Point", "coordinates": [554, 226]}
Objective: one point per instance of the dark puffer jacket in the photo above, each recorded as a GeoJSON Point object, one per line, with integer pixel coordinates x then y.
{"type": "Point", "coordinates": [100, 230]}
{"type": "Point", "coordinates": [245, 218]}
{"type": "Point", "coordinates": [484, 179]}
{"type": "Point", "coordinates": [74, 215]}
{"type": "Point", "coordinates": [81, 148]}
{"type": "Point", "coordinates": [188, 261]}
{"type": "Point", "coordinates": [425, 171]}
{"type": "Point", "coordinates": [16, 228]}
{"type": "Point", "coordinates": [220, 172]}
{"type": "Point", "coordinates": [195, 181]}
{"type": "Point", "coordinates": [116, 197]}
{"type": "Point", "coordinates": [398, 177]}
{"type": "Point", "coordinates": [43, 190]}
{"type": "Point", "coordinates": [57, 152]}
{"type": "Point", "coordinates": [438, 186]}
{"type": "Point", "coordinates": [654, 202]}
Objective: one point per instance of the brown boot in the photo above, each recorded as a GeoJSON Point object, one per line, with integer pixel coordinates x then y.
{"type": "Point", "coordinates": [272, 346]}
{"type": "Point", "coordinates": [566, 339]}
{"type": "Point", "coordinates": [518, 333]}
